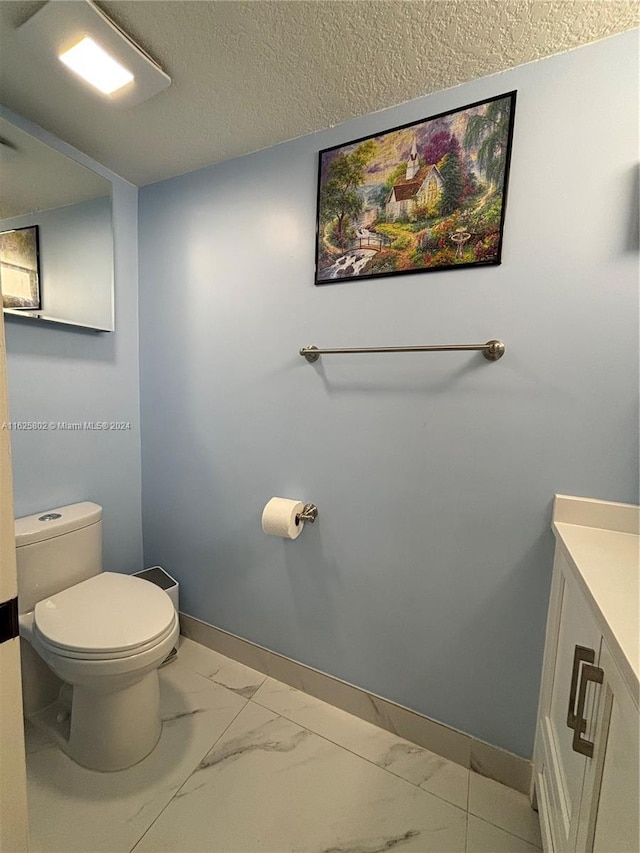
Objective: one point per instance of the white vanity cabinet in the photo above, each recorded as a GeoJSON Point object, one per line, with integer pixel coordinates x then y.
{"type": "Point", "coordinates": [586, 757]}
{"type": "Point", "coordinates": [613, 779]}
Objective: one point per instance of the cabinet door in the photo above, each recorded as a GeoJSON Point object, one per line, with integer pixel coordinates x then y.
{"type": "Point", "coordinates": [610, 816]}
{"type": "Point", "coordinates": [563, 768]}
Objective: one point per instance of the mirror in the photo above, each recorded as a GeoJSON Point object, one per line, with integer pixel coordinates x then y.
{"type": "Point", "coordinates": [56, 235]}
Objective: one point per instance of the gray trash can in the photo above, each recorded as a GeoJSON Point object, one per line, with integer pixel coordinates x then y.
{"type": "Point", "coordinates": [158, 576]}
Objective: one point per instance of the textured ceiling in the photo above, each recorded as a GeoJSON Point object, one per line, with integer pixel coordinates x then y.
{"type": "Point", "coordinates": [247, 75]}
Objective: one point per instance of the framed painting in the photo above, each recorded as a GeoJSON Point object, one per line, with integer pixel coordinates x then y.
{"type": "Point", "coordinates": [422, 197]}
{"type": "Point", "coordinates": [20, 269]}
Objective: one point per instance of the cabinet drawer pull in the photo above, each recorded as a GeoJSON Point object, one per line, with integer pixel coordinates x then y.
{"type": "Point", "coordinates": [589, 673]}
{"type": "Point", "coordinates": [581, 655]}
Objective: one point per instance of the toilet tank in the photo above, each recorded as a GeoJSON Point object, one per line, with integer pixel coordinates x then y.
{"type": "Point", "coordinates": [56, 549]}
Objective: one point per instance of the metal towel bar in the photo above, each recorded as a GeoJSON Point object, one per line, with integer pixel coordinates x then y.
{"type": "Point", "coordinates": [492, 350]}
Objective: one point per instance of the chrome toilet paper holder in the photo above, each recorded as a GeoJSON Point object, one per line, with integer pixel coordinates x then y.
{"type": "Point", "coordinates": [309, 513]}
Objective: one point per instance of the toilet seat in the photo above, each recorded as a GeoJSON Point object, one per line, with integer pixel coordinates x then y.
{"type": "Point", "coordinates": [83, 654]}
{"type": "Point", "coordinates": [107, 617]}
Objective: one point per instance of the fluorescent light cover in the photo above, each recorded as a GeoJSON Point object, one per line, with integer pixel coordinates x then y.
{"type": "Point", "coordinates": [95, 65]}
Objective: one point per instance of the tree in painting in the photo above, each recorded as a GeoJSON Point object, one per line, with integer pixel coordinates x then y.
{"type": "Point", "coordinates": [453, 178]}
{"type": "Point", "coordinates": [488, 133]}
{"type": "Point", "coordinates": [340, 201]}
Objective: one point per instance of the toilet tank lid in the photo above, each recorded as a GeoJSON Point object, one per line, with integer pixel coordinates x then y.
{"type": "Point", "coordinates": [44, 525]}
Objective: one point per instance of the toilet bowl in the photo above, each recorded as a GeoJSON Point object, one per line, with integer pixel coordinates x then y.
{"type": "Point", "coordinates": [103, 638]}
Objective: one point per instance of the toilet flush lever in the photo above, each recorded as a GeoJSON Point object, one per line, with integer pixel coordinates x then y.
{"type": "Point", "coordinates": [309, 513]}
{"type": "Point", "coordinates": [50, 516]}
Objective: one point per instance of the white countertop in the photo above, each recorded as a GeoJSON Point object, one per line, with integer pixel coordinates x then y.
{"type": "Point", "coordinates": [606, 565]}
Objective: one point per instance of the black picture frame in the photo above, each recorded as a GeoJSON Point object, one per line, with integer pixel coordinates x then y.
{"type": "Point", "coordinates": [383, 209]}
{"type": "Point", "coordinates": [20, 269]}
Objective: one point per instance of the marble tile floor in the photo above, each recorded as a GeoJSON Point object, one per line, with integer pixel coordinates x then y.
{"type": "Point", "coordinates": [246, 763]}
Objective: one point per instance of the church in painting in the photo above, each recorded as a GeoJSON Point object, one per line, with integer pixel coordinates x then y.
{"type": "Point", "coordinates": [421, 187]}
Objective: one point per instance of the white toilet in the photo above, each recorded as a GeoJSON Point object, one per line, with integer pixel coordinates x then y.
{"type": "Point", "coordinates": [94, 641]}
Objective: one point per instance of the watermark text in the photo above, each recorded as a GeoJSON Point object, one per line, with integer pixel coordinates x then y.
{"type": "Point", "coordinates": [65, 426]}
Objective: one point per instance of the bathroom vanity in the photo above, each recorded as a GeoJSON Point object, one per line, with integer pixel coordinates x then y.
{"type": "Point", "coordinates": [586, 756]}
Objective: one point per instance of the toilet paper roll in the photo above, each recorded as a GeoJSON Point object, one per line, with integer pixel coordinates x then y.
{"type": "Point", "coordinates": [279, 518]}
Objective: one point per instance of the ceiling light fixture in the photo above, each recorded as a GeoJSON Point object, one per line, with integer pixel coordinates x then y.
{"type": "Point", "coordinates": [94, 48]}
{"type": "Point", "coordinates": [96, 66]}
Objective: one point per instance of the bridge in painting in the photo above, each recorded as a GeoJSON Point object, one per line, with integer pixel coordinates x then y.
{"type": "Point", "coordinates": [370, 242]}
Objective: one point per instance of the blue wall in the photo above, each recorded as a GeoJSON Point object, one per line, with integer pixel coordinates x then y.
{"type": "Point", "coordinates": [58, 373]}
{"type": "Point", "coordinates": [426, 577]}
